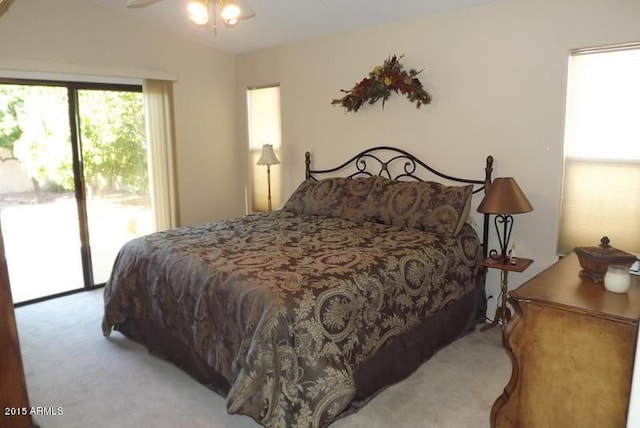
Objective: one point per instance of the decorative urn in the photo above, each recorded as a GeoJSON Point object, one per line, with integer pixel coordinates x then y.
{"type": "Point", "coordinates": [596, 260]}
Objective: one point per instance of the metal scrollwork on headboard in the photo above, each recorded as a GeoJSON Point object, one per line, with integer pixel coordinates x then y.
{"type": "Point", "coordinates": [408, 168]}
{"type": "Point", "coordinates": [370, 162]}
{"type": "Point", "coordinates": [397, 164]}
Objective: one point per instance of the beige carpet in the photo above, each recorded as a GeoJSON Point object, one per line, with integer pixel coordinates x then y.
{"type": "Point", "coordinates": [113, 382]}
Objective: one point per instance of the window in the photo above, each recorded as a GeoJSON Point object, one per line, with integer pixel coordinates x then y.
{"type": "Point", "coordinates": [84, 167]}
{"type": "Point", "coordinates": [263, 105]}
{"type": "Point", "coordinates": [601, 189]}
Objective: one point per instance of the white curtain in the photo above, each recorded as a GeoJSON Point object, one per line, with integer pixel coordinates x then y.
{"type": "Point", "coordinates": [158, 101]}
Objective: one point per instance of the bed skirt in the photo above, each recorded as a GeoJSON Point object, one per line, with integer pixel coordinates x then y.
{"type": "Point", "coordinates": [391, 364]}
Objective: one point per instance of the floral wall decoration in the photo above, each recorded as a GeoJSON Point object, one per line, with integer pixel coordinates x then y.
{"type": "Point", "coordinates": [382, 81]}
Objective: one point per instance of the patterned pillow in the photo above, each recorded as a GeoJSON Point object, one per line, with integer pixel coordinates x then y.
{"type": "Point", "coordinates": [423, 205]}
{"type": "Point", "coordinates": [331, 197]}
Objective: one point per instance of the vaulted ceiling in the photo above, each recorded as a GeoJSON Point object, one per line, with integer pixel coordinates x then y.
{"type": "Point", "coordinates": [280, 22]}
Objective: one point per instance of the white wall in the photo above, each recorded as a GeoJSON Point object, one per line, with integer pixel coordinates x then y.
{"type": "Point", "coordinates": [13, 177]}
{"type": "Point", "coordinates": [76, 36]}
{"type": "Point", "coordinates": [497, 74]}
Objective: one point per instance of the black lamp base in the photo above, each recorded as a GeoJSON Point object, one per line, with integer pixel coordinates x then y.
{"type": "Point", "coordinates": [503, 237]}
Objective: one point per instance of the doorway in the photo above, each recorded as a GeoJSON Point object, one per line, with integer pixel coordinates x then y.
{"type": "Point", "coordinates": [74, 183]}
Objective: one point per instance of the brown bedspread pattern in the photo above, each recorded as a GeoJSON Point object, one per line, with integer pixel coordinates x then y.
{"type": "Point", "coordinates": [285, 307]}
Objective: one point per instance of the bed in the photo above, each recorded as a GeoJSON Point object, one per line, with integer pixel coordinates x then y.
{"type": "Point", "coordinates": [301, 315]}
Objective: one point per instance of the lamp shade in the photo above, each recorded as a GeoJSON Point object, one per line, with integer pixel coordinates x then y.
{"type": "Point", "coordinates": [268, 157]}
{"type": "Point", "coordinates": [230, 12]}
{"type": "Point", "coordinates": [198, 11]}
{"type": "Point", "coordinates": [504, 196]}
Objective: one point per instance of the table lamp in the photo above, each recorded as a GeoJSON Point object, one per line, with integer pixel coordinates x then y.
{"type": "Point", "coordinates": [503, 198]}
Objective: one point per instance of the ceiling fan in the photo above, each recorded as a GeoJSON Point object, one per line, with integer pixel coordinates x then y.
{"type": "Point", "coordinates": [4, 5]}
{"type": "Point", "coordinates": [231, 11]}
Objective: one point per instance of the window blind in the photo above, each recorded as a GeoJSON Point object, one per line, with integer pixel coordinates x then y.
{"type": "Point", "coordinates": [601, 187]}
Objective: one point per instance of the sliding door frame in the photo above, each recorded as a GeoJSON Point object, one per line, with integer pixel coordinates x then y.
{"type": "Point", "coordinates": [79, 184]}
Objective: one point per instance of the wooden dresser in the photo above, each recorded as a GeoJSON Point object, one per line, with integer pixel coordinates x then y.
{"type": "Point", "coordinates": [572, 346]}
{"type": "Point", "coordinates": [14, 403]}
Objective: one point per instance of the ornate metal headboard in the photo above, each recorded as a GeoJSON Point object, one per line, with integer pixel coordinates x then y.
{"type": "Point", "coordinates": [397, 164]}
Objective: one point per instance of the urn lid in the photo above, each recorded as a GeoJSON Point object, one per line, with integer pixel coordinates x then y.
{"type": "Point", "coordinates": [605, 253]}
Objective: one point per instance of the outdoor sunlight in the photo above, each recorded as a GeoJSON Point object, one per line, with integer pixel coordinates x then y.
{"type": "Point", "coordinates": [40, 215]}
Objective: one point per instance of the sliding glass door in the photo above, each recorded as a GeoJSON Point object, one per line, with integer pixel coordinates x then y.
{"type": "Point", "coordinates": [116, 179]}
{"type": "Point", "coordinates": [73, 182]}
{"type": "Point", "coordinates": [37, 202]}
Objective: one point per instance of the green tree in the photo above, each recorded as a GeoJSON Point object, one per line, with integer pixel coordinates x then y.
{"type": "Point", "coordinates": [10, 130]}
{"type": "Point", "coordinates": [44, 149]}
{"type": "Point", "coordinates": [113, 139]}
{"type": "Point", "coordinates": [34, 128]}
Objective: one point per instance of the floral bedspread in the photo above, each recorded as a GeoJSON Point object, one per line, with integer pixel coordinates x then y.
{"type": "Point", "coordinates": [285, 307]}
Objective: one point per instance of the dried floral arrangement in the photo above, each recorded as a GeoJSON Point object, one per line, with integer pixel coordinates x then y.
{"type": "Point", "coordinates": [382, 81]}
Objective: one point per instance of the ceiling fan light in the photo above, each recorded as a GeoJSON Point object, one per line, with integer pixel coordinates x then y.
{"type": "Point", "coordinates": [198, 11]}
{"type": "Point", "coordinates": [230, 12]}
{"type": "Point", "coordinates": [230, 22]}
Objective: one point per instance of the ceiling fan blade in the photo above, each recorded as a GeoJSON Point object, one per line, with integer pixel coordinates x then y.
{"type": "Point", "coordinates": [247, 11]}
{"type": "Point", "coordinates": [140, 3]}
{"type": "Point", "coordinates": [4, 5]}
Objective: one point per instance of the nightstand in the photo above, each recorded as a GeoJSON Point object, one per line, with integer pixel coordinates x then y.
{"type": "Point", "coordinates": [572, 346]}
{"type": "Point", "coordinates": [503, 314]}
